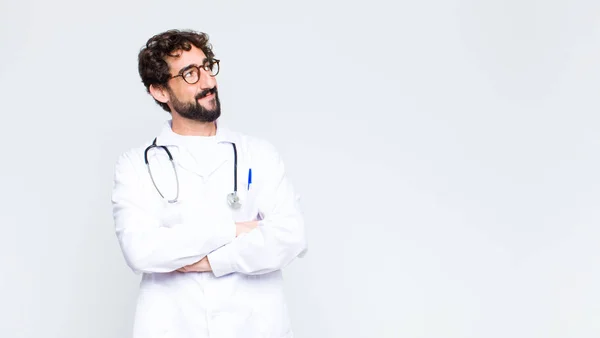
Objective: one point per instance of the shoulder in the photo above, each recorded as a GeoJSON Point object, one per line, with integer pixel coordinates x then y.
{"type": "Point", "coordinates": [132, 157]}
{"type": "Point", "coordinates": [257, 146]}
{"type": "Point", "coordinates": [262, 154]}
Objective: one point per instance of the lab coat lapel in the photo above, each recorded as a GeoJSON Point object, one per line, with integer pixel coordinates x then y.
{"type": "Point", "coordinates": [223, 154]}
{"type": "Point", "coordinates": [181, 156]}
{"type": "Point", "coordinates": [216, 159]}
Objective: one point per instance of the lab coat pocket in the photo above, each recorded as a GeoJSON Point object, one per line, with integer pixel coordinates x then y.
{"type": "Point", "coordinates": [235, 323]}
{"type": "Point", "coordinates": [154, 313]}
{"type": "Point", "coordinates": [271, 315]}
{"type": "Point", "coordinates": [249, 209]}
{"type": "Point", "coordinates": [275, 323]}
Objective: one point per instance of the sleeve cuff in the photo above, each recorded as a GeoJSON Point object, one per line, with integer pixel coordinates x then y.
{"type": "Point", "coordinates": [221, 262]}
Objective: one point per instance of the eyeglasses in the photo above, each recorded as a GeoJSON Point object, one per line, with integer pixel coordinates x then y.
{"type": "Point", "coordinates": [191, 74]}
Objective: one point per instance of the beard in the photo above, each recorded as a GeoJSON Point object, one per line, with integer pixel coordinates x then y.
{"type": "Point", "coordinates": [195, 111]}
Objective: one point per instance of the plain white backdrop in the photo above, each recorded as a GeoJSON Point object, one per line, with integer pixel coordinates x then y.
{"type": "Point", "coordinates": [446, 151]}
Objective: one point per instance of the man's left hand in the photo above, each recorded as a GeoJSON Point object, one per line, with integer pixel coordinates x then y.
{"type": "Point", "coordinates": [202, 265]}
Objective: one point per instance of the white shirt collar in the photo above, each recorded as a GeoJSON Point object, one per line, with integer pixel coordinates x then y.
{"type": "Point", "coordinates": [168, 137]}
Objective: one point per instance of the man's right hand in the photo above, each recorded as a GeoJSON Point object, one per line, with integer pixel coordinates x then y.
{"type": "Point", "coordinates": [245, 227]}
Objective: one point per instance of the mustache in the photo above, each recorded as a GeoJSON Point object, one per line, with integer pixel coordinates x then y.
{"type": "Point", "coordinates": [205, 92]}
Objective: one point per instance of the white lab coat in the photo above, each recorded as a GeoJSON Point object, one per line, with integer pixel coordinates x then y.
{"type": "Point", "coordinates": [243, 295]}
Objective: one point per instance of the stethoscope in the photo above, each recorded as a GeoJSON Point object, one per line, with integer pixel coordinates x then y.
{"type": "Point", "coordinates": [232, 199]}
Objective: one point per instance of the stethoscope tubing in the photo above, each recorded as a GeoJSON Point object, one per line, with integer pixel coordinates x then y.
{"type": "Point", "coordinates": [232, 199]}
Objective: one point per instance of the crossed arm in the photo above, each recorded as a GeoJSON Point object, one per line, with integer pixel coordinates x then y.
{"type": "Point", "coordinates": [203, 265]}
{"type": "Point", "coordinates": [252, 247]}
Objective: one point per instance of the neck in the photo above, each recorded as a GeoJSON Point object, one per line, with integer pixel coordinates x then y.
{"type": "Point", "coordinates": [187, 127]}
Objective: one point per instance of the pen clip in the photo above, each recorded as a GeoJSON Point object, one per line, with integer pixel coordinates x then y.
{"type": "Point", "coordinates": [249, 177]}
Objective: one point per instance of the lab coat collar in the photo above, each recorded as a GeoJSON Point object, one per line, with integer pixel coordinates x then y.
{"type": "Point", "coordinates": [169, 138]}
{"type": "Point", "coordinates": [174, 142]}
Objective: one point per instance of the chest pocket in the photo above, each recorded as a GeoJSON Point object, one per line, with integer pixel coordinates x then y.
{"type": "Point", "coordinates": [248, 190]}
{"type": "Point", "coordinates": [248, 195]}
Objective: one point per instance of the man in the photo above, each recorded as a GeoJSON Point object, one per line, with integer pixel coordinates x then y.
{"type": "Point", "coordinates": [206, 215]}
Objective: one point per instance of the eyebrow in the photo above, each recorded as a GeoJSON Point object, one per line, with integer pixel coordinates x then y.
{"type": "Point", "coordinates": [182, 70]}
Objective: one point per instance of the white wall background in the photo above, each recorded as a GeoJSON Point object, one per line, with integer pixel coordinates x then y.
{"type": "Point", "coordinates": [447, 152]}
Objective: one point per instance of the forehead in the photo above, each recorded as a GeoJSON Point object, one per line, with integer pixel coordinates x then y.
{"type": "Point", "coordinates": [183, 58]}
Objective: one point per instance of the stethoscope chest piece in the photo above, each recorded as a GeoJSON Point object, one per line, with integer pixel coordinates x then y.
{"type": "Point", "coordinates": [234, 200]}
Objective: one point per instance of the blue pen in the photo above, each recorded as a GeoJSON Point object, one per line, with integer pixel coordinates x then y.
{"type": "Point", "coordinates": [249, 177]}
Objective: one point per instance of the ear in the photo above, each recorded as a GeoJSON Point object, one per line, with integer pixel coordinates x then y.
{"type": "Point", "coordinates": [159, 93]}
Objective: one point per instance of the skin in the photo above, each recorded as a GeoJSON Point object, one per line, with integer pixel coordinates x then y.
{"type": "Point", "coordinates": [184, 92]}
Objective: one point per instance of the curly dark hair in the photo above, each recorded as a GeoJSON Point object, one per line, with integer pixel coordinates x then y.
{"type": "Point", "coordinates": [152, 66]}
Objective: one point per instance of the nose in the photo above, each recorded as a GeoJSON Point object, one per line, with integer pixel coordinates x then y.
{"type": "Point", "coordinates": [206, 81]}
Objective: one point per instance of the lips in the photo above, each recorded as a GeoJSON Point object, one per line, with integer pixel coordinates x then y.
{"type": "Point", "coordinates": [206, 93]}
